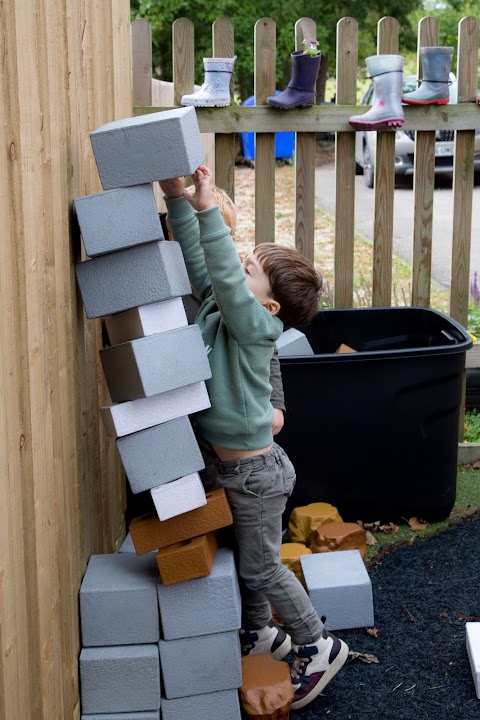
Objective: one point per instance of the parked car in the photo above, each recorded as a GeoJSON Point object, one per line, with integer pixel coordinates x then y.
{"type": "Point", "coordinates": [365, 142]}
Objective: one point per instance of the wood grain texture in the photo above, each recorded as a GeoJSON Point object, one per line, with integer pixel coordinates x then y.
{"type": "Point", "coordinates": [223, 46]}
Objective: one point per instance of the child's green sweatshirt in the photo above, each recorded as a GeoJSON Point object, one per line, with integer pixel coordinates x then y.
{"type": "Point", "coordinates": [239, 333]}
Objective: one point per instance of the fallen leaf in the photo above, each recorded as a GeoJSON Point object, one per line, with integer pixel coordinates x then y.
{"type": "Point", "coordinates": [416, 524]}
{"type": "Point", "coordinates": [390, 528]}
{"type": "Point", "coordinates": [476, 465]}
{"type": "Point", "coordinates": [373, 632]}
{"type": "Point", "coordinates": [472, 618]}
{"type": "Point", "coordinates": [369, 538]}
{"type": "Point", "coordinates": [364, 657]}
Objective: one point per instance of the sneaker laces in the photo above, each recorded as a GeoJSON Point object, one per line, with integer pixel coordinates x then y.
{"type": "Point", "coordinates": [299, 667]}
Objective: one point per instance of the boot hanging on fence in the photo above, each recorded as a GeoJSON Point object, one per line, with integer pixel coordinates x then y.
{"type": "Point", "coordinates": [215, 91]}
{"type": "Point", "coordinates": [300, 91]}
{"type": "Point", "coordinates": [436, 66]}
{"type": "Point", "coordinates": [386, 72]}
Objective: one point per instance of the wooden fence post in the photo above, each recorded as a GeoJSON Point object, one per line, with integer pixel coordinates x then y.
{"type": "Point", "coordinates": [223, 46]}
{"type": "Point", "coordinates": [142, 62]}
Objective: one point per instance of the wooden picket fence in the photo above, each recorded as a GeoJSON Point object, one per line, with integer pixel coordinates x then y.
{"type": "Point", "coordinates": [265, 121]}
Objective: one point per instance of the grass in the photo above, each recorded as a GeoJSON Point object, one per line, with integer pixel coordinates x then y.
{"type": "Point", "coordinates": [467, 505]}
{"type": "Point", "coordinates": [472, 426]}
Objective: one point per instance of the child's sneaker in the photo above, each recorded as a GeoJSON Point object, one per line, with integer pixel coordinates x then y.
{"type": "Point", "coordinates": [314, 666]}
{"type": "Point", "coordinates": [271, 639]}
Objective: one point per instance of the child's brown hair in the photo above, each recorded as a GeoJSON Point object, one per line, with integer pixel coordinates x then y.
{"type": "Point", "coordinates": [294, 282]}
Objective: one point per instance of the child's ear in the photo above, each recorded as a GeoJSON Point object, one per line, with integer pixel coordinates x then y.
{"type": "Point", "coordinates": [273, 306]}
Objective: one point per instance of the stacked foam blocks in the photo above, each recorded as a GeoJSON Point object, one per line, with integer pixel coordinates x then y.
{"type": "Point", "coordinates": [159, 629]}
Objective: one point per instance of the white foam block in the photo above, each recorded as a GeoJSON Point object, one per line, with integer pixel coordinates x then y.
{"type": "Point", "coordinates": [178, 497]}
{"type": "Point", "coordinates": [133, 415]}
{"type": "Point", "coordinates": [473, 650]}
{"type": "Point", "coordinates": [146, 320]}
{"type": "Point", "coordinates": [293, 342]}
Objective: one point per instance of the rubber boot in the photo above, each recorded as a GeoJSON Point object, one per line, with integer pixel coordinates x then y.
{"type": "Point", "coordinates": [300, 91]}
{"type": "Point", "coordinates": [436, 66]}
{"type": "Point", "coordinates": [215, 91]}
{"type": "Point", "coordinates": [386, 112]}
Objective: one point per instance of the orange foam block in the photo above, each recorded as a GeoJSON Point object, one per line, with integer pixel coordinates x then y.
{"type": "Point", "coordinates": [149, 533]}
{"type": "Point", "coordinates": [344, 349]}
{"type": "Point", "coordinates": [267, 690]}
{"type": "Point", "coordinates": [187, 560]}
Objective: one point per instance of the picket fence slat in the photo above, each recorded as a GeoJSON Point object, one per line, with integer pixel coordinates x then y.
{"type": "Point", "coordinates": [223, 46]}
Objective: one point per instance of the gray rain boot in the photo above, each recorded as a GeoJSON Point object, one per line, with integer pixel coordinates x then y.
{"type": "Point", "coordinates": [436, 66]}
{"type": "Point", "coordinates": [386, 72]}
{"type": "Point", "coordinates": [215, 91]}
{"type": "Point", "coordinates": [300, 91]}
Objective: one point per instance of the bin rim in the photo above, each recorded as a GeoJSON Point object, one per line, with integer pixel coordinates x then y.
{"type": "Point", "coordinates": [395, 353]}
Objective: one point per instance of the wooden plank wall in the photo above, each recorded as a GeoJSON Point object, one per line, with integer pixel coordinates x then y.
{"type": "Point", "coordinates": [425, 120]}
{"type": "Point", "coordinates": [66, 69]}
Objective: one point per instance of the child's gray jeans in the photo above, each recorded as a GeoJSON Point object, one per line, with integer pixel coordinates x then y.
{"type": "Point", "coordinates": [257, 489]}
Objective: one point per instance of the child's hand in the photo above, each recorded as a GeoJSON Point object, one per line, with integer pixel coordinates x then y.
{"type": "Point", "coordinates": [278, 421]}
{"type": "Point", "coordinates": [173, 187]}
{"type": "Point", "coordinates": [203, 197]}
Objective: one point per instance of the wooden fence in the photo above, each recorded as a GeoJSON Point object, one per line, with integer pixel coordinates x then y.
{"type": "Point", "coordinates": [66, 70]}
{"type": "Point", "coordinates": [265, 121]}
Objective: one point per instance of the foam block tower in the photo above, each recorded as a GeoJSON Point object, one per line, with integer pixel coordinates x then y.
{"type": "Point", "coordinates": [144, 614]}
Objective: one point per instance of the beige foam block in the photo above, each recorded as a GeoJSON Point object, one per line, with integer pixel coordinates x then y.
{"type": "Point", "coordinates": [305, 519]}
{"type": "Point", "coordinates": [132, 416]}
{"type": "Point", "coordinates": [290, 556]}
{"type": "Point", "coordinates": [179, 496]}
{"type": "Point", "coordinates": [146, 320]}
{"type": "Point", "coordinates": [187, 560]}
{"type": "Point", "coordinates": [344, 349]}
{"type": "Point", "coordinates": [338, 536]}
{"type": "Point", "coordinates": [267, 691]}
{"type": "Point", "coordinates": [149, 533]}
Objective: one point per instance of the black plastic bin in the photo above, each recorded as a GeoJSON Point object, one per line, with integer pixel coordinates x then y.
{"type": "Point", "coordinates": [375, 432]}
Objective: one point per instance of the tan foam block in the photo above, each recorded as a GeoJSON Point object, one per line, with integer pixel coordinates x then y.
{"type": "Point", "coordinates": [338, 536]}
{"type": "Point", "coordinates": [187, 560]}
{"type": "Point", "coordinates": [344, 349]}
{"type": "Point", "coordinates": [290, 556]}
{"type": "Point", "coordinates": [307, 518]}
{"type": "Point", "coordinates": [149, 533]}
{"type": "Point", "coordinates": [267, 691]}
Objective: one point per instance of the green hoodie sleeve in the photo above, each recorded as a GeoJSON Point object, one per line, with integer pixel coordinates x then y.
{"type": "Point", "coordinates": [183, 223]}
{"type": "Point", "coordinates": [246, 318]}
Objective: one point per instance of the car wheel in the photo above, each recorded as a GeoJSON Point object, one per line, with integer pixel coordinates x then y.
{"type": "Point", "coordinates": [368, 170]}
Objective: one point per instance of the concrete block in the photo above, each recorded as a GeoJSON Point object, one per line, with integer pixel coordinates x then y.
{"type": "Point", "coordinates": [473, 651]}
{"type": "Point", "coordinates": [160, 454]}
{"type": "Point", "coordinates": [118, 600]}
{"type": "Point", "coordinates": [148, 715]}
{"type": "Point", "coordinates": [127, 545]}
{"type": "Point", "coordinates": [223, 705]}
{"type": "Point", "coordinates": [118, 219]}
{"type": "Point", "coordinates": [136, 276]}
{"type": "Point", "coordinates": [293, 342]}
{"type": "Point", "coordinates": [205, 664]}
{"type": "Point", "coordinates": [146, 320]}
{"type": "Point", "coordinates": [188, 559]}
{"type": "Point", "coordinates": [339, 588]}
{"type": "Point", "coordinates": [216, 607]}
{"type": "Point", "coordinates": [149, 533]}
{"type": "Point", "coordinates": [179, 496]}
{"type": "Point", "coordinates": [155, 364]}
{"type": "Point", "coordinates": [134, 415]}
{"type": "Point", "coordinates": [149, 147]}
{"type": "Point", "coordinates": [124, 678]}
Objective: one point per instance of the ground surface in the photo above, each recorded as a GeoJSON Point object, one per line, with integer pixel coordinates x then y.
{"type": "Point", "coordinates": [423, 596]}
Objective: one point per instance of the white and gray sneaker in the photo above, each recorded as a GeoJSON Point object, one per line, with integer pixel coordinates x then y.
{"type": "Point", "coordinates": [271, 639]}
{"type": "Point", "coordinates": [314, 666]}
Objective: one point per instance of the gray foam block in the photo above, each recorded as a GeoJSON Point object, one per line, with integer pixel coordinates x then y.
{"type": "Point", "coordinates": [216, 605]}
{"type": "Point", "coordinates": [160, 454]}
{"type": "Point", "coordinates": [128, 278]}
{"type": "Point", "coordinates": [118, 600]}
{"type": "Point", "coordinates": [123, 678]}
{"type": "Point", "coordinates": [149, 147]}
{"type": "Point", "coordinates": [199, 665]}
{"type": "Point", "coordinates": [127, 545]}
{"type": "Point", "coordinates": [293, 342]}
{"type": "Point", "coordinates": [223, 705]}
{"type": "Point", "coordinates": [340, 588]}
{"type": "Point", "coordinates": [148, 715]}
{"type": "Point", "coordinates": [155, 364]}
{"type": "Point", "coordinates": [118, 219]}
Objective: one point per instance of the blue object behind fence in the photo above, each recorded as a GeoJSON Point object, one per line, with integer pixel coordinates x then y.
{"type": "Point", "coordinates": [284, 141]}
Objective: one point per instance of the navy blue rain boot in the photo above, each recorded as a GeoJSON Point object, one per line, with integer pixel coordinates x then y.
{"type": "Point", "coordinates": [300, 91]}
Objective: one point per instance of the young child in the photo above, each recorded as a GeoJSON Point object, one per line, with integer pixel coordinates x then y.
{"type": "Point", "coordinates": [243, 310]}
